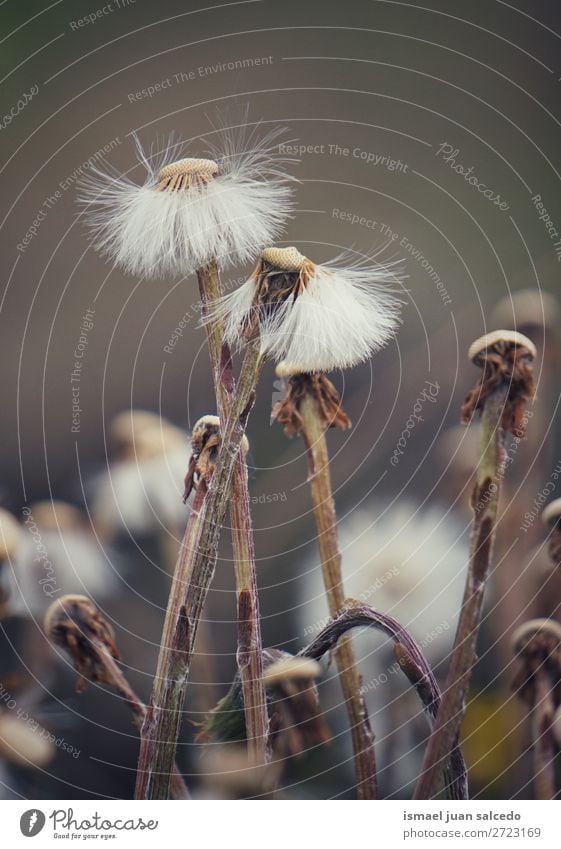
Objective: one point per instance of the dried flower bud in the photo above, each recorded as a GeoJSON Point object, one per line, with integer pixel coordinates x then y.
{"type": "Point", "coordinates": [317, 386]}
{"type": "Point", "coordinates": [23, 744]}
{"type": "Point", "coordinates": [315, 317]}
{"type": "Point", "coordinates": [190, 211]}
{"type": "Point", "coordinates": [537, 644]}
{"type": "Point", "coordinates": [205, 445]}
{"type": "Point", "coordinates": [505, 357]}
{"type": "Point", "coordinates": [75, 624]}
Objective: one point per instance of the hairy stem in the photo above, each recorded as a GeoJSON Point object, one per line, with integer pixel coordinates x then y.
{"type": "Point", "coordinates": [485, 502]}
{"type": "Point", "coordinates": [192, 579]}
{"type": "Point", "coordinates": [313, 432]}
{"type": "Point", "coordinates": [412, 662]}
{"type": "Point", "coordinates": [250, 648]}
{"type": "Point", "coordinates": [138, 709]}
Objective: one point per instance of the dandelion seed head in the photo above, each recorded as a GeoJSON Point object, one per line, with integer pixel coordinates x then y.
{"type": "Point", "coordinates": [189, 210]}
{"type": "Point", "coordinates": [312, 317]}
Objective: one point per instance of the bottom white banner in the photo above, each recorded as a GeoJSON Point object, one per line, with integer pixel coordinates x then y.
{"type": "Point", "coordinates": [286, 824]}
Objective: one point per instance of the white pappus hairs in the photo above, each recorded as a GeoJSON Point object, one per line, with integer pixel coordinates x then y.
{"type": "Point", "coordinates": [189, 211]}
{"type": "Point", "coordinates": [313, 317]}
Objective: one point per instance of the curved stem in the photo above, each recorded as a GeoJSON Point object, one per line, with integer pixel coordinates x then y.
{"type": "Point", "coordinates": [414, 665]}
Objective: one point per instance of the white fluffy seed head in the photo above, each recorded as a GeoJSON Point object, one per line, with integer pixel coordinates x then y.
{"type": "Point", "coordinates": [189, 211]}
{"type": "Point", "coordinates": [341, 315]}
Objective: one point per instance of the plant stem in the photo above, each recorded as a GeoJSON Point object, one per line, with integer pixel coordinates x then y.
{"type": "Point", "coordinates": [543, 745]}
{"type": "Point", "coordinates": [138, 710]}
{"type": "Point", "coordinates": [250, 647]}
{"type": "Point", "coordinates": [485, 501]}
{"type": "Point", "coordinates": [412, 662]}
{"type": "Point", "coordinates": [193, 577]}
{"type": "Point", "coordinates": [313, 432]}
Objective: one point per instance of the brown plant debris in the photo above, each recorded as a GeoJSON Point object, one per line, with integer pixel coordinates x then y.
{"type": "Point", "coordinates": [205, 444]}
{"type": "Point", "coordinates": [508, 364]}
{"type": "Point", "coordinates": [75, 624]}
{"type": "Point", "coordinates": [317, 385]}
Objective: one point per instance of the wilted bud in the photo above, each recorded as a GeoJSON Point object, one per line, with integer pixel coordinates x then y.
{"type": "Point", "coordinates": [505, 358]}
{"type": "Point", "coordinates": [75, 624]}
{"type": "Point", "coordinates": [301, 386]}
{"type": "Point", "coordinates": [205, 445]}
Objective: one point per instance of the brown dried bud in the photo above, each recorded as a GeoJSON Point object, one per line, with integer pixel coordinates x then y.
{"type": "Point", "coordinates": [205, 445]}
{"type": "Point", "coordinates": [505, 358]}
{"type": "Point", "coordinates": [317, 386]}
{"type": "Point", "coordinates": [75, 624]}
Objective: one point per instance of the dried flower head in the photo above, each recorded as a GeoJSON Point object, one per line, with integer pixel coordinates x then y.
{"type": "Point", "coordinates": [505, 357]}
{"type": "Point", "coordinates": [296, 722]}
{"type": "Point", "coordinates": [190, 211]}
{"type": "Point", "coordinates": [205, 445]}
{"type": "Point", "coordinates": [75, 624]}
{"type": "Point", "coordinates": [314, 317]}
{"type": "Point", "coordinates": [537, 644]}
{"type": "Point", "coordinates": [300, 386]}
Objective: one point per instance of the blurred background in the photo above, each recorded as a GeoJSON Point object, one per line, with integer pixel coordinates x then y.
{"type": "Point", "coordinates": [390, 103]}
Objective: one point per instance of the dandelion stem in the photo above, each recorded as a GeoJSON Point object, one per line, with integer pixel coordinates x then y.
{"type": "Point", "coordinates": [485, 505]}
{"type": "Point", "coordinates": [250, 648]}
{"type": "Point", "coordinates": [313, 431]}
{"type": "Point", "coordinates": [192, 579]}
